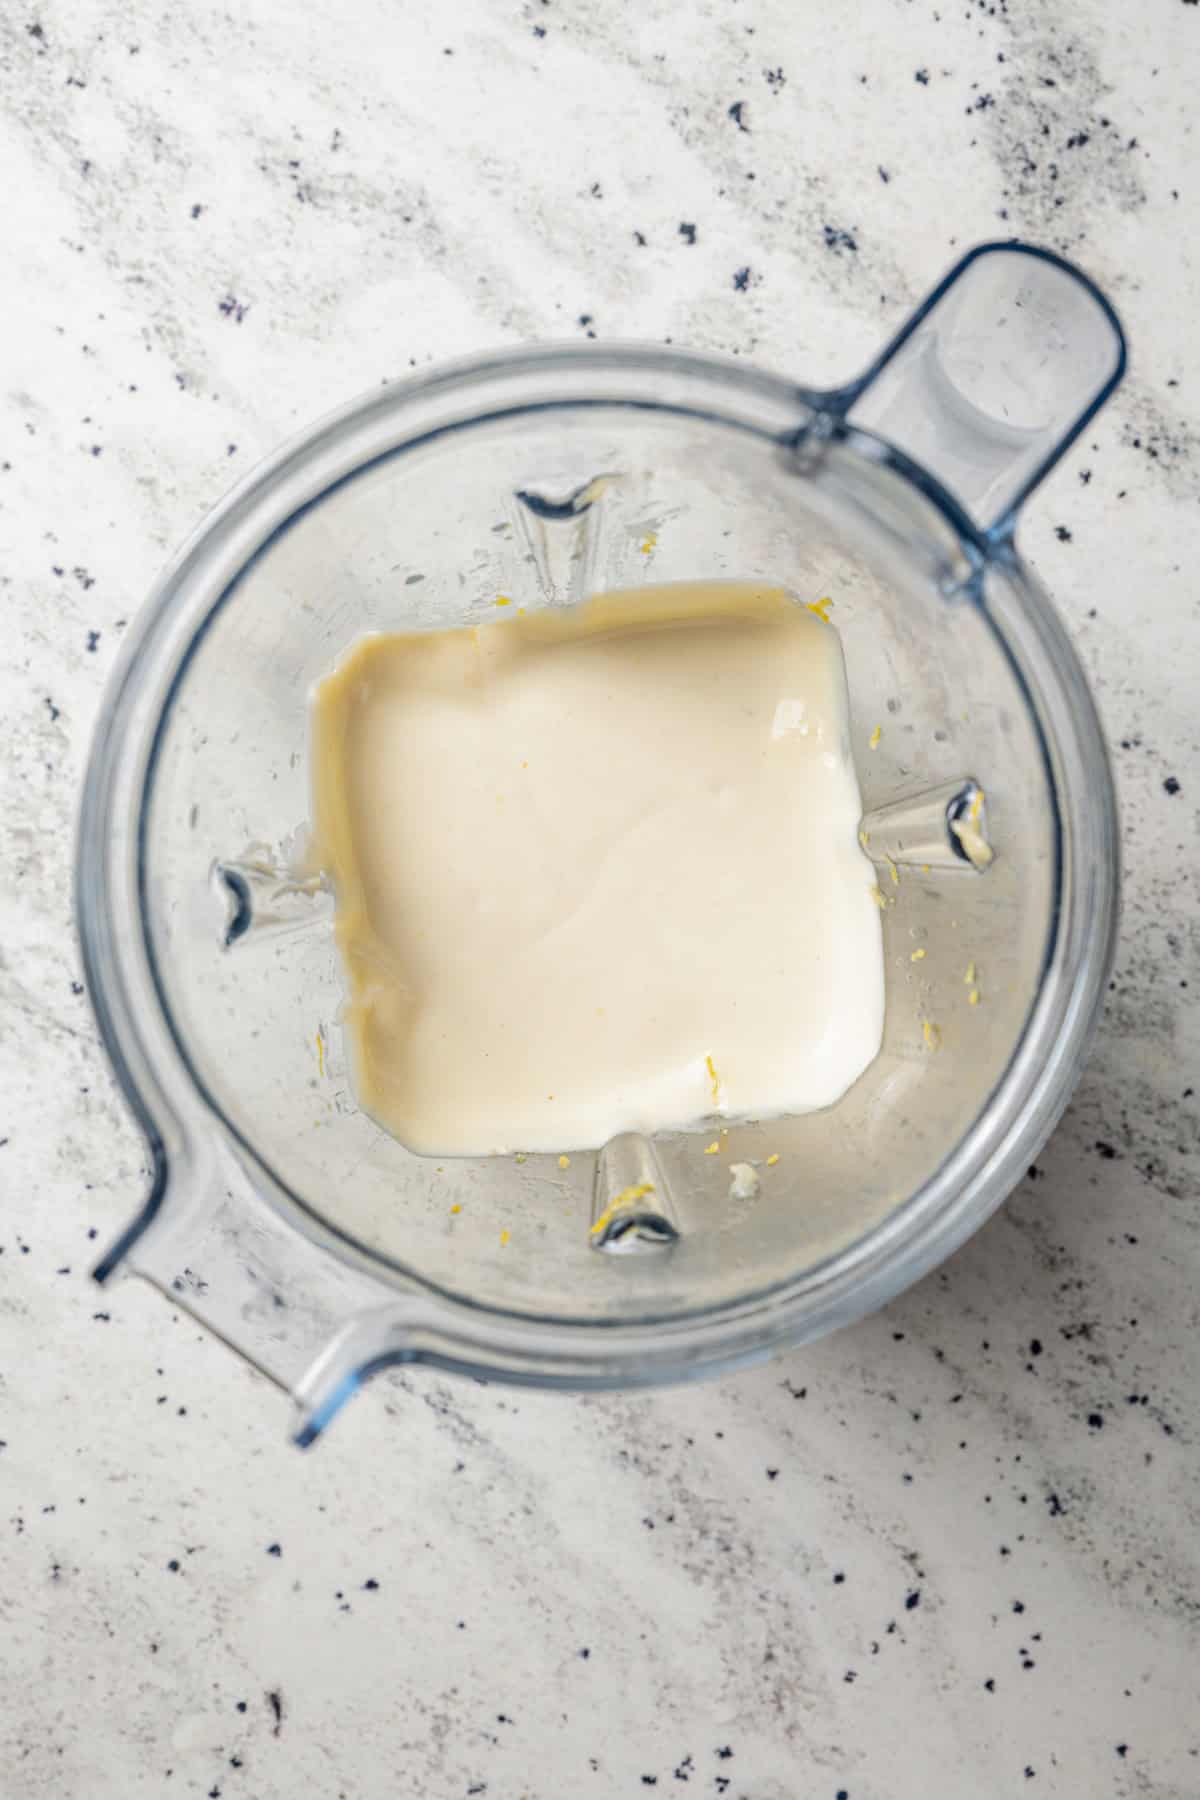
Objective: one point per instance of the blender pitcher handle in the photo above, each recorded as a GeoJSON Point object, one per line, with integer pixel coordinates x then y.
{"type": "Point", "coordinates": [992, 378]}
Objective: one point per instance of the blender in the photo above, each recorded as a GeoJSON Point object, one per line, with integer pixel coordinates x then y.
{"type": "Point", "coordinates": [279, 1214]}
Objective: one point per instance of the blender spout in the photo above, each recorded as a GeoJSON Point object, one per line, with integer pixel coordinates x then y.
{"type": "Point", "coordinates": [990, 381]}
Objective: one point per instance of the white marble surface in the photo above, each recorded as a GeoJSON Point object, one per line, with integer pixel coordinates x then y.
{"type": "Point", "coordinates": [952, 1551]}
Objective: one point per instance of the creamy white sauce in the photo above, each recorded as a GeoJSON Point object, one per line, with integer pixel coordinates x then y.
{"type": "Point", "coordinates": [598, 870]}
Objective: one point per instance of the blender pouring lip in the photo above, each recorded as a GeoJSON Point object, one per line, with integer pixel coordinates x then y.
{"type": "Point", "coordinates": [366, 1314]}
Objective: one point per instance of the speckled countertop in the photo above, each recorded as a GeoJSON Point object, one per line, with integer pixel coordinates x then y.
{"type": "Point", "coordinates": [952, 1551]}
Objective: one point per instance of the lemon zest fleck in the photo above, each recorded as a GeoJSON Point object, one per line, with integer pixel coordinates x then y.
{"type": "Point", "coordinates": [864, 838]}
{"type": "Point", "coordinates": [505, 1237]}
{"type": "Point", "coordinates": [917, 956]}
{"type": "Point", "coordinates": [820, 607]}
{"type": "Point", "coordinates": [712, 1149]}
{"type": "Point", "coordinates": [772, 1159]}
{"type": "Point", "coordinates": [521, 1156]}
{"type": "Point", "coordinates": [320, 1055]}
{"type": "Point", "coordinates": [893, 871]}
{"type": "Point", "coordinates": [503, 600]}
{"type": "Point", "coordinates": [564, 1162]}
{"type": "Point", "coordinates": [969, 977]}
{"type": "Point", "coordinates": [932, 1035]}
{"type": "Point", "coordinates": [714, 1079]}
{"type": "Point", "coordinates": [973, 997]}
{"type": "Point", "coordinates": [456, 1208]}
{"type": "Point", "coordinates": [648, 542]}
{"type": "Point", "coordinates": [978, 851]}
{"type": "Point", "coordinates": [873, 740]}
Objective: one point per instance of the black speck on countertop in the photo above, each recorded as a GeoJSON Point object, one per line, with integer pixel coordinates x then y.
{"type": "Point", "coordinates": [838, 239]}
{"type": "Point", "coordinates": [1171, 784]}
{"type": "Point", "coordinates": [912, 1599]}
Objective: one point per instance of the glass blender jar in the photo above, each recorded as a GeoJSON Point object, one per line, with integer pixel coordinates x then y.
{"type": "Point", "coordinates": [280, 1214]}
